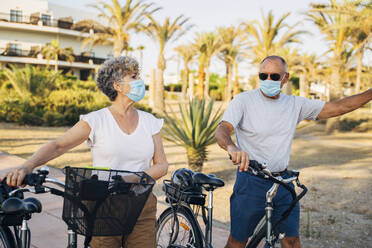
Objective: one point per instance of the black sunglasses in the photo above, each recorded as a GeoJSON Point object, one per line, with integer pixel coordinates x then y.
{"type": "Point", "coordinates": [273, 76]}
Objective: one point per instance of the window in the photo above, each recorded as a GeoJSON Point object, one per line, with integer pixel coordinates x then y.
{"type": "Point", "coordinates": [15, 15]}
{"type": "Point", "coordinates": [14, 49]}
{"type": "Point", "coordinates": [46, 19]}
{"type": "Point", "coordinates": [91, 54]}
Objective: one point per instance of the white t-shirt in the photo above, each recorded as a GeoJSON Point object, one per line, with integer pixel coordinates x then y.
{"type": "Point", "coordinates": [265, 127]}
{"type": "Point", "coordinates": [111, 147]}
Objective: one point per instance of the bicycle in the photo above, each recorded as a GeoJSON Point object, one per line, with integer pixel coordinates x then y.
{"type": "Point", "coordinates": [88, 194]}
{"type": "Point", "coordinates": [181, 216]}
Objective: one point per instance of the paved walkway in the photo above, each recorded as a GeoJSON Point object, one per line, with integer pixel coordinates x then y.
{"type": "Point", "coordinates": [48, 229]}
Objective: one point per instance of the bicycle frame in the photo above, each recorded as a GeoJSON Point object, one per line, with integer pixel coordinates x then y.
{"type": "Point", "coordinates": [271, 237]}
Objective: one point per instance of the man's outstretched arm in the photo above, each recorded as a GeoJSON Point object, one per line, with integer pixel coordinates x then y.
{"type": "Point", "coordinates": [345, 105]}
{"type": "Point", "coordinates": [223, 137]}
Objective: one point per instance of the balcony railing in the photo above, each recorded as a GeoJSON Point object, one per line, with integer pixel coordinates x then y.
{"type": "Point", "coordinates": [33, 53]}
{"type": "Point", "coordinates": [41, 20]}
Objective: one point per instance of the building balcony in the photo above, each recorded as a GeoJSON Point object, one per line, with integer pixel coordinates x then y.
{"type": "Point", "coordinates": [44, 23]}
{"type": "Point", "coordinates": [33, 56]}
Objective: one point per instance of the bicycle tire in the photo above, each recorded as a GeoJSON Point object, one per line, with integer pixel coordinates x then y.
{"type": "Point", "coordinates": [258, 238]}
{"type": "Point", "coordinates": [188, 225]}
{"type": "Point", "coordinates": [5, 240]}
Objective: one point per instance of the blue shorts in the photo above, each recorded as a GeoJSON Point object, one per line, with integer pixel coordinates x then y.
{"type": "Point", "coordinates": [247, 207]}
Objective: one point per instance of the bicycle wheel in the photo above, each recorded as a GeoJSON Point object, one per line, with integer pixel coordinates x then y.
{"type": "Point", "coordinates": [186, 232]}
{"type": "Point", "coordinates": [5, 240]}
{"type": "Point", "coordinates": [259, 240]}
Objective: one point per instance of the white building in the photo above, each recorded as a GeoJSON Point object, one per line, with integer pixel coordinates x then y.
{"type": "Point", "coordinates": [27, 25]}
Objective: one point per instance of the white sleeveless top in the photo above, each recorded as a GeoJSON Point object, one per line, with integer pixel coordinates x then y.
{"type": "Point", "coordinates": [111, 147]}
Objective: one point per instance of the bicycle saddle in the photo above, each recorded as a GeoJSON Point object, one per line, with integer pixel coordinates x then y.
{"type": "Point", "coordinates": [14, 205]}
{"type": "Point", "coordinates": [211, 180]}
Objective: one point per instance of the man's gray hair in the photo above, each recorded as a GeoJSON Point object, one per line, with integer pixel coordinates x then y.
{"type": "Point", "coordinates": [114, 70]}
{"type": "Point", "coordinates": [275, 57]}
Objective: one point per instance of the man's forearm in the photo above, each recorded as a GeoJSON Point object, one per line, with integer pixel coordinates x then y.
{"type": "Point", "coordinates": [345, 105]}
{"type": "Point", "coordinates": [354, 102]}
{"type": "Point", "coordinates": [223, 138]}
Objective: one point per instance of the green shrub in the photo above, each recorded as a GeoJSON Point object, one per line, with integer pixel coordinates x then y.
{"type": "Point", "coordinates": [30, 119]}
{"type": "Point", "coordinates": [350, 124]}
{"type": "Point", "coordinates": [173, 87]}
{"type": "Point", "coordinates": [51, 118]}
{"type": "Point", "coordinates": [216, 94]}
{"type": "Point", "coordinates": [49, 98]}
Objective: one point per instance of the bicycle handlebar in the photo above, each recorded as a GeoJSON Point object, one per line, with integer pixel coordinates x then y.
{"type": "Point", "coordinates": [260, 170]}
{"type": "Point", "coordinates": [37, 180]}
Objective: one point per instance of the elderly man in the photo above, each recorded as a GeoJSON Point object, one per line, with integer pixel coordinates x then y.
{"type": "Point", "coordinates": [265, 121]}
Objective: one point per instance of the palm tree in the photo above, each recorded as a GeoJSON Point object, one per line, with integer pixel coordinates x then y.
{"type": "Point", "coordinates": [195, 130]}
{"type": "Point", "coordinates": [162, 34]}
{"type": "Point", "coordinates": [121, 20]}
{"type": "Point", "coordinates": [187, 53]}
{"type": "Point", "coordinates": [332, 21]}
{"type": "Point", "coordinates": [231, 49]}
{"type": "Point", "coordinates": [267, 38]}
{"type": "Point", "coordinates": [140, 48]}
{"type": "Point", "coordinates": [30, 80]}
{"type": "Point", "coordinates": [54, 51]}
{"type": "Point", "coordinates": [360, 36]}
{"type": "Point", "coordinates": [207, 45]}
{"type": "Point", "coordinates": [309, 68]}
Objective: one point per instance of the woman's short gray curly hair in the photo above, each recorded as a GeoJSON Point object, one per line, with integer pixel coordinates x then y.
{"type": "Point", "coordinates": [113, 70]}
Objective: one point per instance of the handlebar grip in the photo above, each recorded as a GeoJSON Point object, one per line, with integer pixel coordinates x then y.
{"type": "Point", "coordinates": [32, 180]}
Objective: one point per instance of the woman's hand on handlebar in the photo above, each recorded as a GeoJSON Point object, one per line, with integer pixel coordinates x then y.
{"type": "Point", "coordinates": [239, 157]}
{"type": "Point", "coordinates": [15, 177]}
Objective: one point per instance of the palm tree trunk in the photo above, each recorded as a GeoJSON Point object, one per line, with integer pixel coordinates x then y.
{"type": "Point", "coordinates": [303, 85]}
{"type": "Point", "coordinates": [335, 94]}
{"type": "Point", "coordinates": [185, 81]}
{"type": "Point", "coordinates": [152, 87]}
{"type": "Point", "coordinates": [159, 92]}
{"type": "Point", "coordinates": [206, 84]}
{"type": "Point", "coordinates": [118, 48]}
{"type": "Point", "coordinates": [191, 86]}
{"type": "Point", "coordinates": [159, 89]}
{"type": "Point", "coordinates": [358, 71]}
{"type": "Point", "coordinates": [335, 85]}
{"type": "Point", "coordinates": [228, 84]}
{"type": "Point", "coordinates": [201, 75]}
{"type": "Point", "coordinates": [196, 158]}
{"type": "Point", "coordinates": [236, 83]}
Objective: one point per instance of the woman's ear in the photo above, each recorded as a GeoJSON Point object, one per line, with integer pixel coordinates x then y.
{"type": "Point", "coordinates": [117, 87]}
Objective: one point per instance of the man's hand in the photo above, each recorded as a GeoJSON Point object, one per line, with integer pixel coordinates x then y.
{"type": "Point", "coordinates": [16, 176]}
{"type": "Point", "coordinates": [238, 157]}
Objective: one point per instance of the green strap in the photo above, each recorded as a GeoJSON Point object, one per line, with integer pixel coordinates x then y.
{"type": "Point", "coordinates": [98, 168]}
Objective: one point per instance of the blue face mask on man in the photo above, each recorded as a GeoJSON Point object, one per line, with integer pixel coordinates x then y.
{"type": "Point", "coordinates": [271, 87]}
{"type": "Point", "coordinates": [137, 90]}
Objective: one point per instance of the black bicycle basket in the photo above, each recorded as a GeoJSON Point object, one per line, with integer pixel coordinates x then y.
{"type": "Point", "coordinates": [100, 202]}
{"type": "Point", "coordinates": [175, 194]}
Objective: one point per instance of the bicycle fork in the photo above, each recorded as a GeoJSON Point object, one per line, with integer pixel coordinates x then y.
{"type": "Point", "coordinates": [72, 239]}
{"type": "Point", "coordinates": [269, 210]}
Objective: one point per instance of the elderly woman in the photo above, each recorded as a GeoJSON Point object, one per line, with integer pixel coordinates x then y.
{"type": "Point", "coordinates": [120, 137]}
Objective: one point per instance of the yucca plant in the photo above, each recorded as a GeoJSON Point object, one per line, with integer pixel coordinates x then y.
{"type": "Point", "coordinates": [194, 130]}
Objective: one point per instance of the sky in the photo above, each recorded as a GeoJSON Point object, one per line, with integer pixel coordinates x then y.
{"type": "Point", "coordinates": [207, 15]}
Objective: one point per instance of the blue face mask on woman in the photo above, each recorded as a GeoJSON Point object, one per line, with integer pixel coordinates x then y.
{"type": "Point", "coordinates": [137, 90]}
{"type": "Point", "coordinates": [270, 87]}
